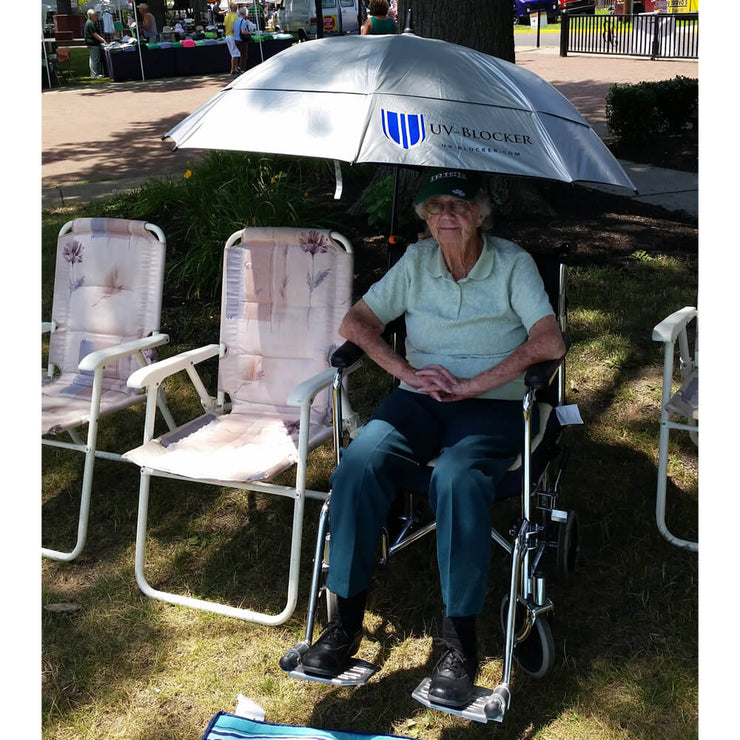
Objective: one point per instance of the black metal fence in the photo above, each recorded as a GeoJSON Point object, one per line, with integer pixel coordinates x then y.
{"type": "Point", "coordinates": [658, 36]}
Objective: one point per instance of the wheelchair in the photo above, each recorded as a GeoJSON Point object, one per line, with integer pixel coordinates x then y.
{"type": "Point", "coordinates": [535, 477]}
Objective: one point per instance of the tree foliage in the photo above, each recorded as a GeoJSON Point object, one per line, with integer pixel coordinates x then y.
{"type": "Point", "coordinates": [484, 25]}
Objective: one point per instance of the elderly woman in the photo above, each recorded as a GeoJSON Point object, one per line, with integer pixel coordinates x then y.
{"type": "Point", "coordinates": [242, 30]}
{"type": "Point", "coordinates": [378, 21]}
{"type": "Point", "coordinates": [477, 316]}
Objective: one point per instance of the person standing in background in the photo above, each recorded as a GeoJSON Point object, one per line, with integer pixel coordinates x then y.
{"type": "Point", "coordinates": [95, 43]}
{"type": "Point", "coordinates": [229, 19]}
{"type": "Point", "coordinates": [378, 22]}
{"type": "Point", "coordinates": [216, 13]}
{"type": "Point", "coordinates": [243, 29]}
{"type": "Point", "coordinates": [148, 23]}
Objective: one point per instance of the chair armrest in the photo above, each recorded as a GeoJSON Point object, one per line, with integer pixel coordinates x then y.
{"type": "Point", "coordinates": [47, 326]}
{"type": "Point", "coordinates": [158, 371]}
{"type": "Point", "coordinates": [346, 356]}
{"type": "Point", "coordinates": [102, 357]}
{"type": "Point", "coordinates": [305, 391]}
{"type": "Point", "coordinates": [669, 329]}
{"type": "Point", "coordinates": [541, 374]}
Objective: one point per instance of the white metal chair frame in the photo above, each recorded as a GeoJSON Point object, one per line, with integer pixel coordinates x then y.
{"type": "Point", "coordinates": [302, 396]}
{"type": "Point", "coordinates": [675, 329]}
{"type": "Point", "coordinates": [96, 363]}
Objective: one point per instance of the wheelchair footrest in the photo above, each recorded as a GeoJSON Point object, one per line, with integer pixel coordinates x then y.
{"type": "Point", "coordinates": [357, 673]}
{"type": "Point", "coordinates": [475, 710]}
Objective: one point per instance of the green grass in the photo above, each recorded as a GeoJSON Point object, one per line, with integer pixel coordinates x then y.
{"type": "Point", "coordinates": [123, 665]}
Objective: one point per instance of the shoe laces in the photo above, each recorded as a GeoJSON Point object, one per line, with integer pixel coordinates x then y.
{"type": "Point", "coordinates": [335, 628]}
{"type": "Point", "coordinates": [453, 659]}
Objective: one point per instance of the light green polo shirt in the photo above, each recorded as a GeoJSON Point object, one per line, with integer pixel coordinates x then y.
{"type": "Point", "coordinates": [467, 326]}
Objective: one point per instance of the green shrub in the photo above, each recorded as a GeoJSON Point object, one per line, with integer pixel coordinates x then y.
{"type": "Point", "coordinates": [226, 192]}
{"type": "Point", "coordinates": [677, 100]}
{"type": "Point", "coordinates": [378, 199]}
{"type": "Point", "coordinates": [639, 111]}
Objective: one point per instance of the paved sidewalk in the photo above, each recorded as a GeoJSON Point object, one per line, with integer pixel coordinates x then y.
{"type": "Point", "coordinates": [128, 119]}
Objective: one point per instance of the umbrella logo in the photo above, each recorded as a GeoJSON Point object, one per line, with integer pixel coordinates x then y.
{"type": "Point", "coordinates": [404, 129]}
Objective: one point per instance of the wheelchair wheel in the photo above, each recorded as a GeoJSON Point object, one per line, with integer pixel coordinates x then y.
{"type": "Point", "coordinates": [535, 654]}
{"type": "Point", "coordinates": [567, 550]}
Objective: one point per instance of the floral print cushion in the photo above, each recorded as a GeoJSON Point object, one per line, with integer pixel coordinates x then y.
{"type": "Point", "coordinates": [107, 290]}
{"type": "Point", "coordinates": [65, 403]}
{"type": "Point", "coordinates": [285, 292]}
{"type": "Point", "coordinates": [237, 447]}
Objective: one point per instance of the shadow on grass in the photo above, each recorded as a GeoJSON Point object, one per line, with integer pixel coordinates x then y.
{"type": "Point", "coordinates": [625, 630]}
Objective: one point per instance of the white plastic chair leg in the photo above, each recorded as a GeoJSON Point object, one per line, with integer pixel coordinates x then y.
{"type": "Point", "coordinates": [211, 606]}
{"type": "Point", "coordinates": [660, 498]}
{"type": "Point", "coordinates": [87, 479]}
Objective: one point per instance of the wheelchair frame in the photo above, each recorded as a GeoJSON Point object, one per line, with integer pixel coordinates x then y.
{"type": "Point", "coordinates": [527, 587]}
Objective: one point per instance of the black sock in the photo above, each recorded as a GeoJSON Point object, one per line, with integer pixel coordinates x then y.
{"type": "Point", "coordinates": [352, 610]}
{"type": "Point", "coordinates": [460, 633]}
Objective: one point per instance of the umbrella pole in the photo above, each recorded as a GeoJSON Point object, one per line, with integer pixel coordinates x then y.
{"type": "Point", "coordinates": [409, 22]}
{"type": "Point", "coordinates": [138, 46]}
{"type": "Point", "coordinates": [46, 58]}
{"type": "Point", "coordinates": [391, 231]}
{"type": "Point", "coordinates": [395, 249]}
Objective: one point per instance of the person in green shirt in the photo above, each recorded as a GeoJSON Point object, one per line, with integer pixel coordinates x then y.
{"type": "Point", "coordinates": [95, 44]}
{"type": "Point", "coordinates": [378, 22]}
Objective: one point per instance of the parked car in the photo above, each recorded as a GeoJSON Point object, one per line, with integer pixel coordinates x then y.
{"type": "Point", "coordinates": [522, 9]}
{"type": "Point", "coordinates": [578, 6]}
{"type": "Point", "coordinates": [299, 17]}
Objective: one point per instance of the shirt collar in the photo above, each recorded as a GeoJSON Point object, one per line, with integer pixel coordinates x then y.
{"type": "Point", "coordinates": [481, 269]}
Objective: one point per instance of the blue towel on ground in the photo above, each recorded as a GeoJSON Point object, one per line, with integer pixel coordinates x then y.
{"type": "Point", "coordinates": [225, 726]}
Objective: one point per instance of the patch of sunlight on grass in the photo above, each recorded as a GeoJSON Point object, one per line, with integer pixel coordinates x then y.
{"type": "Point", "coordinates": [646, 695]}
{"type": "Point", "coordinates": [574, 725]}
{"type": "Point", "coordinates": [588, 321]}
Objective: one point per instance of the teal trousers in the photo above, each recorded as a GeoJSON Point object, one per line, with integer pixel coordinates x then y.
{"type": "Point", "coordinates": [475, 440]}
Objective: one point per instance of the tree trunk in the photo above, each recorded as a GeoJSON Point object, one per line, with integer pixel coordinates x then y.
{"type": "Point", "coordinates": [64, 7]}
{"type": "Point", "coordinates": [483, 25]}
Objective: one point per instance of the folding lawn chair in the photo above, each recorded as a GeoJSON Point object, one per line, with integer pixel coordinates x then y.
{"type": "Point", "coordinates": [683, 404]}
{"type": "Point", "coordinates": [104, 324]}
{"type": "Point", "coordinates": [65, 73]}
{"type": "Point", "coordinates": [285, 291]}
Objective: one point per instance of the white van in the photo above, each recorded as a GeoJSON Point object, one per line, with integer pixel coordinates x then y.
{"type": "Point", "coordinates": [299, 17]}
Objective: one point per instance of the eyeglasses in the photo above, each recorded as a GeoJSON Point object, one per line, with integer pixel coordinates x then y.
{"type": "Point", "coordinates": [458, 207]}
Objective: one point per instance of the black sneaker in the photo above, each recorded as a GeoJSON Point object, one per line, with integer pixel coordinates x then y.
{"type": "Point", "coordinates": [328, 656]}
{"type": "Point", "coordinates": [453, 678]}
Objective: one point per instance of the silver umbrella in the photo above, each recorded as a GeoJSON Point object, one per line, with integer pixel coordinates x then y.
{"type": "Point", "coordinates": [404, 100]}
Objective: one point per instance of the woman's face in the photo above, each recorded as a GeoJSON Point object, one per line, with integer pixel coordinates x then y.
{"type": "Point", "coordinates": [457, 222]}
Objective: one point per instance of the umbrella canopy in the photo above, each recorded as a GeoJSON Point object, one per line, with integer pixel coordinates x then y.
{"type": "Point", "coordinates": [404, 100]}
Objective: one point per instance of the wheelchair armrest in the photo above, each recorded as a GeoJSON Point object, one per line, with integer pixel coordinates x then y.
{"type": "Point", "coordinates": [346, 356]}
{"type": "Point", "coordinates": [541, 374]}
